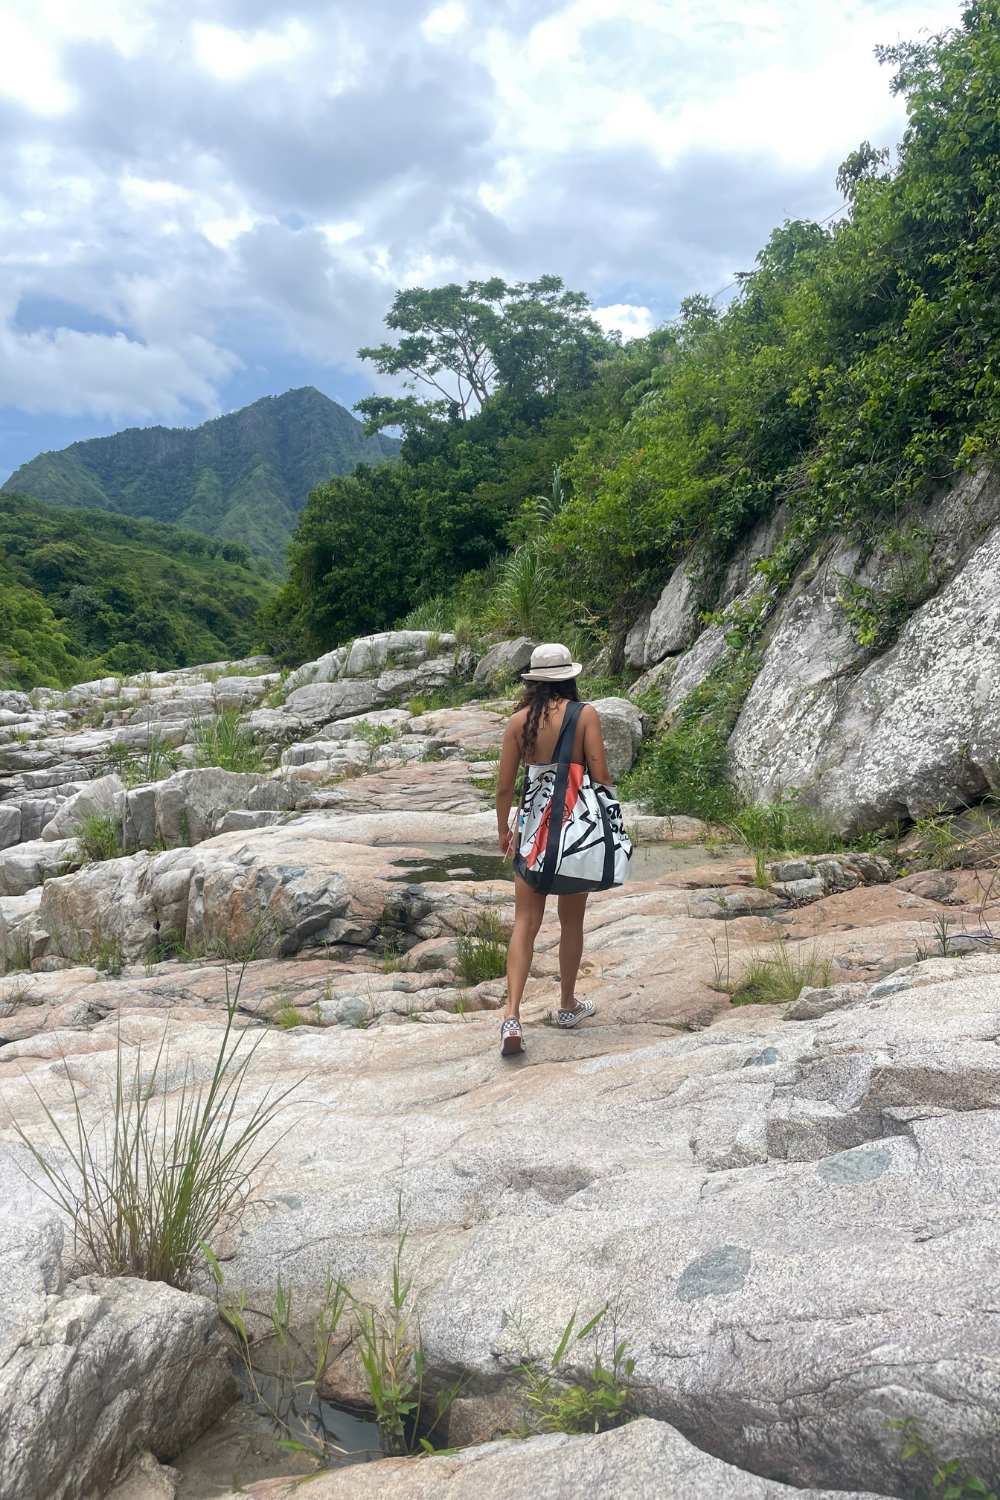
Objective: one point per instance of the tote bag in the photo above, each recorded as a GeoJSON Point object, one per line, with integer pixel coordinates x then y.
{"type": "Point", "coordinates": [570, 831]}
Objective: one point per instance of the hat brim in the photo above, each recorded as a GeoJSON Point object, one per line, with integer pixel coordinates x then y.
{"type": "Point", "coordinates": [554, 674]}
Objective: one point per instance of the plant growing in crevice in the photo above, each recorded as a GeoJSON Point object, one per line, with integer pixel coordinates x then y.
{"type": "Point", "coordinates": [770, 978]}
{"type": "Point", "coordinates": [155, 1176]}
{"type": "Point", "coordinates": [950, 1477]}
{"type": "Point", "coordinates": [97, 837]}
{"type": "Point", "coordinates": [602, 1399]}
{"type": "Point", "coordinates": [225, 741]}
{"type": "Point", "coordinates": [482, 953]}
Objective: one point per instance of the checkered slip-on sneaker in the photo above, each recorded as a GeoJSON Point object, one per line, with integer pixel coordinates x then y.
{"type": "Point", "coordinates": [581, 1010]}
{"type": "Point", "coordinates": [511, 1037]}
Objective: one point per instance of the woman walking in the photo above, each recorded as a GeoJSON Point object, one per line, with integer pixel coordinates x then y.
{"type": "Point", "coordinates": [567, 788]}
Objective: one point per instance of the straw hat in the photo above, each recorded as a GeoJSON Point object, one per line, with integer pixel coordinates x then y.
{"type": "Point", "coordinates": [552, 663]}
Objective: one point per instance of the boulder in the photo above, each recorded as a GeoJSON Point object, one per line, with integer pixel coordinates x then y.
{"type": "Point", "coordinates": [101, 797]}
{"type": "Point", "coordinates": [635, 643]}
{"type": "Point", "coordinates": [379, 718]}
{"type": "Point", "coordinates": [29, 864]}
{"type": "Point", "coordinates": [623, 725]}
{"type": "Point", "coordinates": [190, 803]}
{"type": "Point", "coordinates": [505, 660]}
{"type": "Point", "coordinates": [644, 1460]}
{"type": "Point", "coordinates": [673, 619]}
{"type": "Point", "coordinates": [14, 702]}
{"type": "Point", "coordinates": [403, 648]}
{"type": "Point", "coordinates": [17, 917]}
{"type": "Point", "coordinates": [10, 824]}
{"type": "Point", "coordinates": [96, 1369]}
{"type": "Point", "coordinates": [321, 701]}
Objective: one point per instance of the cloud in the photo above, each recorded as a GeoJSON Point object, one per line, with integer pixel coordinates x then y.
{"type": "Point", "coordinates": [205, 194]}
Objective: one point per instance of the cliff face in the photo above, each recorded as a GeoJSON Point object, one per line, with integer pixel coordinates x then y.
{"type": "Point", "coordinates": [867, 733]}
{"type": "Point", "coordinates": [242, 477]}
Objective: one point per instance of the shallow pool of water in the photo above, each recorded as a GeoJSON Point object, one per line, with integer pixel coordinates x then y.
{"type": "Point", "coordinates": [475, 863]}
{"type": "Point", "coordinates": [245, 1445]}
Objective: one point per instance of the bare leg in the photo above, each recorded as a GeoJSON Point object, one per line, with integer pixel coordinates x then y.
{"type": "Point", "coordinates": [572, 910]}
{"type": "Point", "coordinates": [529, 909]}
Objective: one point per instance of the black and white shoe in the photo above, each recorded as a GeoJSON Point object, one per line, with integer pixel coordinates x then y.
{"type": "Point", "coordinates": [511, 1037]}
{"type": "Point", "coordinates": [581, 1010]}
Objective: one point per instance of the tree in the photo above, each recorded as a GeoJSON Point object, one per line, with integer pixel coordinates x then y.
{"type": "Point", "coordinates": [466, 343]}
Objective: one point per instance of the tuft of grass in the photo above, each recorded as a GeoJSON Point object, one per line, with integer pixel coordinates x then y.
{"type": "Point", "coordinates": [151, 1182]}
{"type": "Point", "coordinates": [602, 1400]}
{"type": "Point", "coordinates": [771, 978]}
{"type": "Point", "coordinates": [97, 837]}
{"type": "Point", "coordinates": [135, 767]}
{"type": "Point", "coordinates": [227, 743]}
{"type": "Point", "coordinates": [286, 1016]}
{"type": "Point", "coordinates": [482, 953]}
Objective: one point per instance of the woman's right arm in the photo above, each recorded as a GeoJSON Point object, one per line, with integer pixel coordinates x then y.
{"type": "Point", "coordinates": [510, 759]}
{"type": "Point", "coordinates": [594, 753]}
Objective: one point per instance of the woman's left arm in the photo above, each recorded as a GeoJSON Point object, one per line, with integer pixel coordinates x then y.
{"type": "Point", "coordinates": [510, 759]}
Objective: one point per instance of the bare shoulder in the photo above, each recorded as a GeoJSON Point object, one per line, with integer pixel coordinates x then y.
{"type": "Point", "coordinates": [589, 715]}
{"type": "Point", "coordinates": [516, 721]}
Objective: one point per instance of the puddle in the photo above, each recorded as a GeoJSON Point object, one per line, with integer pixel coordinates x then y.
{"type": "Point", "coordinates": [470, 862]}
{"type": "Point", "coordinates": [242, 1447]}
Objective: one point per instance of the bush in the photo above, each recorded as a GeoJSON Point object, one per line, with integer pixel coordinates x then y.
{"type": "Point", "coordinates": [226, 743]}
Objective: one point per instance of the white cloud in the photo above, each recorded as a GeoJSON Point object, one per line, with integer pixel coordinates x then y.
{"type": "Point", "coordinates": [621, 317]}
{"type": "Point", "coordinates": [224, 183]}
{"type": "Point", "coordinates": [445, 20]}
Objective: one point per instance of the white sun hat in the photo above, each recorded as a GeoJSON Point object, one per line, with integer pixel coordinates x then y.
{"type": "Point", "coordinates": [552, 663]}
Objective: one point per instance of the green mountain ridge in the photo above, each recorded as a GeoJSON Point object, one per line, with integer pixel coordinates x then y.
{"type": "Point", "coordinates": [84, 593]}
{"type": "Point", "coordinates": [242, 477]}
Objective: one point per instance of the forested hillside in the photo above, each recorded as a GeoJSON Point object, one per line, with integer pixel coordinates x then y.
{"type": "Point", "coordinates": [85, 594]}
{"type": "Point", "coordinates": [858, 365]}
{"type": "Point", "coordinates": [242, 477]}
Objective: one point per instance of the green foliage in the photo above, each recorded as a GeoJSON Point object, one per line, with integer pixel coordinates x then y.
{"type": "Point", "coordinates": [684, 769]}
{"type": "Point", "coordinates": [950, 1477]}
{"type": "Point", "coordinates": [227, 743]}
{"type": "Point", "coordinates": [136, 767]}
{"type": "Point", "coordinates": [878, 612]}
{"type": "Point", "coordinates": [603, 1399]}
{"type": "Point", "coordinates": [97, 837]}
{"type": "Point", "coordinates": [482, 953]}
{"type": "Point", "coordinates": [785, 827]}
{"type": "Point", "coordinates": [149, 1182]}
{"type": "Point", "coordinates": [240, 479]}
{"type": "Point", "coordinates": [84, 593]}
{"type": "Point", "coordinates": [770, 978]}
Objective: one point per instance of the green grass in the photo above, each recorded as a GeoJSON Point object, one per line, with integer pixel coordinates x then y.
{"type": "Point", "coordinates": [482, 953]}
{"type": "Point", "coordinates": [97, 837]}
{"type": "Point", "coordinates": [602, 1400]}
{"type": "Point", "coordinates": [771, 978]}
{"type": "Point", "coordinates": [227, 743]}
{"type": "Point", "coordinates": [153, 1179]}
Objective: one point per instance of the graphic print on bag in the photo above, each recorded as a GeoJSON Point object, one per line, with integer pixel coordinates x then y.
{"type": "Point", "coordinates": [590, 850]}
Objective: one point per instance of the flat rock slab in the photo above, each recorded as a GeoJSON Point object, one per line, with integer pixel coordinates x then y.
{"type": "Point", "coordinates": [644, 1461]}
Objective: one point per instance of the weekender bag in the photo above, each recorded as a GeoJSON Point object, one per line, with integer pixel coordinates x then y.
{"type": "Point", "coordinates": [589, 850]}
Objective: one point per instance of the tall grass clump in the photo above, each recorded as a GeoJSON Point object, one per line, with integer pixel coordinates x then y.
{"type": "Point", "coordinates": [770, 978]}
{"type": "Point", "coordinates": [603, 1399]}
{"type": "Point", "coordinates": [154, 1177]}
{"type": "Point", "coordinates": [97, 837]}
{"type": "Point", "coordinates": [482, 953]}
{"type": "Point", "coordinates": [227, 743]}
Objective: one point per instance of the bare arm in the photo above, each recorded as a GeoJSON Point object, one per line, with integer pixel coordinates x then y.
{"type": "Point", "coordinates": [510, 759]}
{"type": "Point", "coordinates": [594, 752]}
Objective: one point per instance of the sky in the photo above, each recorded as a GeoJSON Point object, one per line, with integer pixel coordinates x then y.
{"type": "Point", "coordinates": [205, 201]}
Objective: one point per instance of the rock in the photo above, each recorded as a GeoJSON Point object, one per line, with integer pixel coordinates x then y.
{"type": "Point", "coordinates": [912, 731]}
{"type": "Point", "coordinates": [146, 1479]}
{"type": "Point", "coordinates": [673, 619]}
{"type": "Point", "coordinates": [623, 725]}
{"type": "Point", "coordinates": [28, 864]}
{"type": "Point", "coordinates": [635, 642]}
{"type": "Point", "coordinates": [694, 666]}
{"type": "Point", "coordinates": [813, 1003]}
{"type": "Point", "coordinates": [17, 917]}
{"type": "Point", "coordinates": [92, 1371]}
{"type": "Point", "coordinates": [505, 660]}
{"type": "Point", "coordinates": [55, 776]}
{"type": "Point", "coordinates": [379, 718]}
{"type": "Point", "coordinates": [10, 825]}
{"type": "Point", "coordinates": [813, 888]}
{"type": "Point", "coordinates": [644, 1460]}
{"type": "Point", "coordinates": [190, 803]}
{"type": "Point", "coordinates": [14, 702]}
{"type": "Point", "coordinates": [321, 701]}
{"type": "Point", "coordinates": [396, 648]}
{"type": "Point", "coordinates": [103, 797]}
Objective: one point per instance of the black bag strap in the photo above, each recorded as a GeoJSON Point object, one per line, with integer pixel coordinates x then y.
{"type": "Point", "coordinates": [563, 755]}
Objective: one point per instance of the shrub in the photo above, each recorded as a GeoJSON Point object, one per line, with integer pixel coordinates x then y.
{"type": "Point", "coordinates": [774, 977]}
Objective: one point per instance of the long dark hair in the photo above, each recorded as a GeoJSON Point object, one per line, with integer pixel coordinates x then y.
{"type": "Point", "coordinates": [538, 698]}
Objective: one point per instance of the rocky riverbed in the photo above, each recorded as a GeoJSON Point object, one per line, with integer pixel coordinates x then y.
{"type": "Point", "coordinates": [792, 1206]}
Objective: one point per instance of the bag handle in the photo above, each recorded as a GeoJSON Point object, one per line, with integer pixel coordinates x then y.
{"type": "Point", "coordinates": [557, 805]}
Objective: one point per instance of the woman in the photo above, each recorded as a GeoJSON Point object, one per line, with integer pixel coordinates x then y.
{"type": "Point", "coordinates": [530, 737]}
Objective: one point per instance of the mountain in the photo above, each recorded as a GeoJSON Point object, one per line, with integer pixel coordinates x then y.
{"type": "Point", "coordinates": [243, 477]}
{"type": "Point", "coordinates": [87, 594]}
